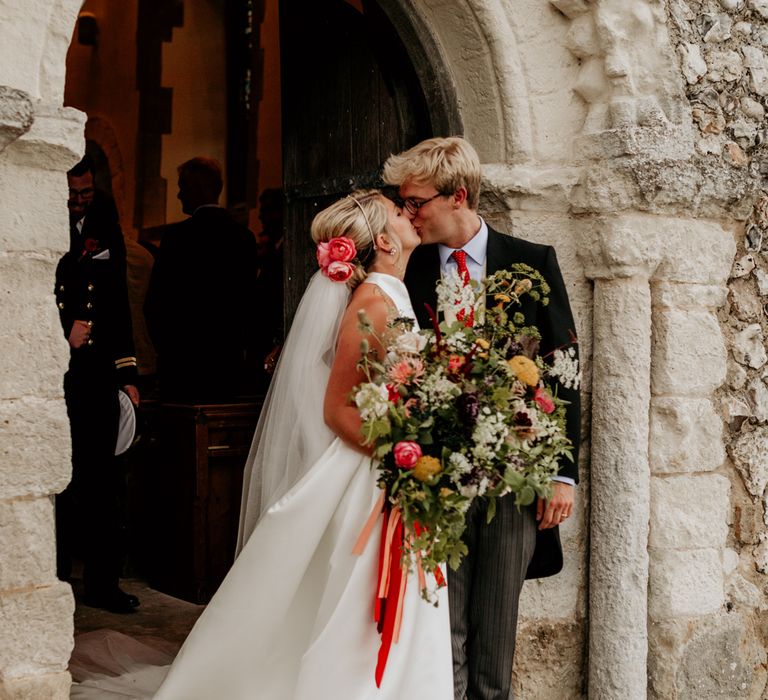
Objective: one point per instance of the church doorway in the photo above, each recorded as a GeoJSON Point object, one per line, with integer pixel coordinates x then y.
{"type": "Point", "coordinates": [305, 98]}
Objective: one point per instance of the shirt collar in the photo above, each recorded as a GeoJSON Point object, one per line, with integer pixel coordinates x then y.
{"type": "Point", "coordinates": [207, 206]}
{"type": "Point", "coordinates": [476, 248]}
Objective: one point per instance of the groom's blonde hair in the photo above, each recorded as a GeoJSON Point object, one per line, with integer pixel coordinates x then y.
{"type": "Point", "coordinates": [447, 163]}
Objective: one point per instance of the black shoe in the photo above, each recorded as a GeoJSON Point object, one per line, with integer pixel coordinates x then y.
{"type": "Point", "coordinates": [133, 601]}
{"type": "Point", "coordinates": [115, 601]}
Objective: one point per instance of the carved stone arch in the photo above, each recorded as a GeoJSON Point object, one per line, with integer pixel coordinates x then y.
{"type": "Point", "coordinates": [468, 51]}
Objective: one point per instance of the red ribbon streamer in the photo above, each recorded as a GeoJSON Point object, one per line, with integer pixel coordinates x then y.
{"type": "Point", "coordinates": [392, 576]}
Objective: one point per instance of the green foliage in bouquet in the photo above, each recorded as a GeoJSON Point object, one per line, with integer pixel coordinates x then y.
{"type": "Point", "coordinates": [459, 412]}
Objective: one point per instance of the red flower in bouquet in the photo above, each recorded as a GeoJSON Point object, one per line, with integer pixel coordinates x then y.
{"type": "Point", "coordinates": [407, 453]}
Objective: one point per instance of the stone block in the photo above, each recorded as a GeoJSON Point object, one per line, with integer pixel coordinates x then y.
{"type": "Point", "coordinates": [36, 631]}
{"type": "Point", "coordinates": [688, 352]}
{"type": "Point", "coordinates": [742, 592]}
{"type": "Point", "coordinates": [717, 657]}
{"type": "Point", "coordinates": [33, 347]}
{"type": "Point", "coordinates": [689, 511]}
{"type": "Point", "coordinates": [55, 141]}
{"type": "Point", "coordinates": [674, 250]}
{"type": "Point", "coordinates": [550, 660]}
{"type": "Point", "coordinates": [51, 686]}
{"type": "Point", "coordinates": [686, 435]}
{"type": "Point", "coordinates": [749, 452]}
{"type": "Point", "coordinates": [685, 583]}
{"type": "Point", "coordinates": [15, 115]}
{"type": "Point", "coordinates": [33, 215]}
{"type": "Point", "coordinates": [695, 251]}
{"type": "Point", "coordinates": [34, 447]}
{"type": "Point", "coordinates": [27, 543]}
{"type": "Point", "coordinates": [557, 122]}
{"type": "Point", "coordinates": [669, 295]}
{"type": "Point", "coordinates": [748, 346]}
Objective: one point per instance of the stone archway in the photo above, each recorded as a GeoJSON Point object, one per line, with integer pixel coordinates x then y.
{"type": "Point", "coordinates": [578, 111]}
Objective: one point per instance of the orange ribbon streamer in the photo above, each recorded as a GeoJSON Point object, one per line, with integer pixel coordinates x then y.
{"type": "Point", "coordinates": [392, 575]}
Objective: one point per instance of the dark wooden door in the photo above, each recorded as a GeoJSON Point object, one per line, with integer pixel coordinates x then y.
{"type": "Point", "coordinates": [350, 98]}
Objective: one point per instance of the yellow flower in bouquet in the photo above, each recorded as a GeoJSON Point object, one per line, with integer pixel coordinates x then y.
{"type": "Point", "coordinates": [525, 369]}
{"type": "Point", "coordinates": [426, 467]}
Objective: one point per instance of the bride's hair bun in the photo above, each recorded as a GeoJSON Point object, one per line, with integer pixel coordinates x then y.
{"type": "Point", "coordinates": [360, 217]}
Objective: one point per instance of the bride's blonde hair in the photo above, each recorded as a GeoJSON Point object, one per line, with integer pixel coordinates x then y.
{"type": "Point", "coordinates": [361, 217]}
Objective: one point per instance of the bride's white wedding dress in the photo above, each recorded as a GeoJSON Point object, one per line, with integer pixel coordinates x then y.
{"type": "Point", "coordinates": [293, 619]}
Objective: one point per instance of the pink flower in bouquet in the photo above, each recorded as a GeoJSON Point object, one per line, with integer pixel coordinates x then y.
{"type": "Point", "coordinates": [406, 371]}
{"type": "Point", "coordinates": [407, 453]}
{"type": "Point", "coordinates": [323, 254]}
{"type": "Point", "coordinates": [341, 249]}
{"type": "Point", "coordinates": [544, 400]}
{"type": "Point", "coordinates": [339, 271]}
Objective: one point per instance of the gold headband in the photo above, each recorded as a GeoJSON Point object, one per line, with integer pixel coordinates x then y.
{"type": "Point", "coordinates": [365, 216]}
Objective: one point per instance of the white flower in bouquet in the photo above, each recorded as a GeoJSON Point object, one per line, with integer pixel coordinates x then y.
{"type": "Point", "coordinates": [565, 368]}
{"type": "Point", "coordinates": [459, 464]}
{"type": "Point", "coordinates": [437, 390]}
{"type": "Point", "coordinates": [410, 342]}
{"type": "Point", "coordinates": [372, 400]}
{"type": "Point", "coordinates": [454, 295]}
{"type": "Point", "coordinates": [489, 434]}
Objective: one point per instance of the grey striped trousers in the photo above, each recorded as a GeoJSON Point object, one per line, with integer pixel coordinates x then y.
{"type": "Point", "coordinates": [483, 599]}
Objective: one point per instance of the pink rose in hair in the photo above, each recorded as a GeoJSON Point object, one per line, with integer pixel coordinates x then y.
{"type": "Point", "coordinates": [341, 249]}
{"type": "Point", "coordinates": [323, 254]}
{"type": "Point", "coordinates": [406, 454]}
{"type": "Point", "coordinates": [339, 271]}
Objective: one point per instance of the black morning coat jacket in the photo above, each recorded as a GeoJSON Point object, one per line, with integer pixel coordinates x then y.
{"type": "Point", "coordinates": [554, 321]}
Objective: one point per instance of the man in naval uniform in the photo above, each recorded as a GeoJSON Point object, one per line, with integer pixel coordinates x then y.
{"type": "Point", "coordinates": [92, 297]}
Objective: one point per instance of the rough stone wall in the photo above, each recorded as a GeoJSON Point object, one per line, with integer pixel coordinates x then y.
{"type": "Point", "coordinates": [599, 146]}
{"type": "Point", "coordinates": [723, 53]}
{"type": "Point", "coordinates": [39, 140]}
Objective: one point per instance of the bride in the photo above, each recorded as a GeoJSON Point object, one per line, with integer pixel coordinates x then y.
{"type": "Point", "coordinates": [294, 617]}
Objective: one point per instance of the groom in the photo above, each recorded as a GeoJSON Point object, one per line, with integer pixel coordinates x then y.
{"type": "Point", "coordinates": [439, 183]}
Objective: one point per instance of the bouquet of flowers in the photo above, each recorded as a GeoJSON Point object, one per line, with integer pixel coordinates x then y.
{"type": "Point", "coordinates": [465, 410]}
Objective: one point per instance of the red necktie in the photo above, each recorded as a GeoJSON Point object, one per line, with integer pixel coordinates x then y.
{"type": "Point", "coordinates": [461, 261]}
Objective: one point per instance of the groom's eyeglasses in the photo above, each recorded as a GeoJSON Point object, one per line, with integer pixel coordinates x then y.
{"type": "Point", "coordinates": [412, 204]}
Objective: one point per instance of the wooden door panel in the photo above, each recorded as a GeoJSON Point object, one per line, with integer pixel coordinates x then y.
{"type": "Point", "coordinates": [355, 100]}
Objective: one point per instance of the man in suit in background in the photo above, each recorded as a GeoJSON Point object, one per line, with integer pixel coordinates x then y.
{"type": "Point", "coordinates": [93, 306]}
{"type": "Point", "coordinates": [201, 305]}
{"type": "Point", "coordinates": [439, 183]}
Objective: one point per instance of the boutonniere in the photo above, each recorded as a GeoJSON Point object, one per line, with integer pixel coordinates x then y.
{"type": "Point", "coordinates": [90, 246]}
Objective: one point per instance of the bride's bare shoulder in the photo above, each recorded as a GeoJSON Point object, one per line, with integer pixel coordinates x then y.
{"type": "Point", "coordinates": [370, 299]}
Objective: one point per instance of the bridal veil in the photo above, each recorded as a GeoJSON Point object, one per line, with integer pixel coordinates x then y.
{"type": "Point", "coordinates": [291, 434]}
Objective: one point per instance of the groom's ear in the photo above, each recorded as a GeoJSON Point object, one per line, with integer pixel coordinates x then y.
{"type": "Point", "coordinates": [459, 197]}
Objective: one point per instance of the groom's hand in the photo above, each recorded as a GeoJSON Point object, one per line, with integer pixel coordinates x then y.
{"type": "Point", "coordinates": [555, 511]}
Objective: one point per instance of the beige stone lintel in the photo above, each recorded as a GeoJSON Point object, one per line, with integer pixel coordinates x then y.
{"type": "Point", "coordinates": [694, 251]}
{"type": "Point", "coordinates": [526, 187]}
{"type": "Point", "coordinates": [55, 140]}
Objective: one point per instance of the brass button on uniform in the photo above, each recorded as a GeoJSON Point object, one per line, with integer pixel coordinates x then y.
{"type": "Point", "coordinates": [89, 306]}
{"type": "Point", "coordinates": [90, 341]}
{"type": "Point", "coordinates": [61, 304]}
{"type": "Point", "coordinates": [90, 287]}
{"type": "Point", "coordinates": [61, 287]}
